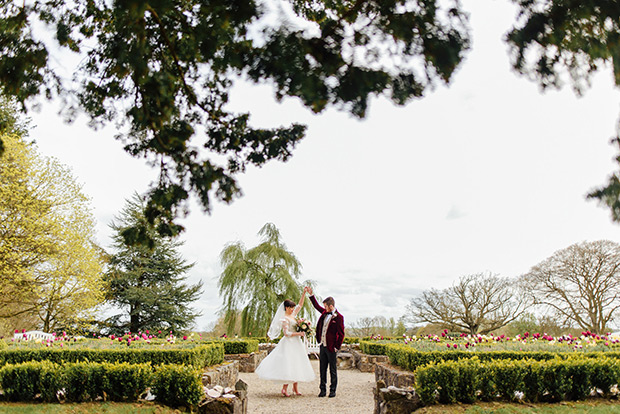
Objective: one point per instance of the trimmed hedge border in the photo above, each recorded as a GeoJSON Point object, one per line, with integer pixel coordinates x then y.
{"type": "Point", "coordinates": [410, 359]}
{"type": "Point", "coordinates": [197, 357]}
{"type": "Point", "coordinates": [174, 385]}
{"type": "Point", "coordinates": [470, 380]}
{"type": "Point", "coordinates": [238, 346]}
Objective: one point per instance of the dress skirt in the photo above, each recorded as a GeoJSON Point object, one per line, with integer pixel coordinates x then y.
{"type": "Point", "coordinates": [288, 362]}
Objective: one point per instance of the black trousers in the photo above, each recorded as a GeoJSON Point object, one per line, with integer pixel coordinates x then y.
{"type": "Point", "coordinates": [327, 358]}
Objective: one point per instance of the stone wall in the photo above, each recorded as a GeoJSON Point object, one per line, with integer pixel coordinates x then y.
{"type": "Point", "coordinates": [394, 376]}
{"type": "Point", "coordinates": [247, 362]}
{"type": "Point", "coordinates": [226, 375]}
{"type": "Point", "coordinates": [226, 400]}
{"type": "Point", "coordinates": [394, 400]}
{"type": "Point", "coordinates": [266, 347]}
{"type": "Point", "coordinates": [394, 393]}
{"type": "Point", "coordinates": [365, 362]}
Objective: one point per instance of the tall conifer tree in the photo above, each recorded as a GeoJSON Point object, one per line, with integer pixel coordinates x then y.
{"type": "Point", "coordinates": [147, 282]}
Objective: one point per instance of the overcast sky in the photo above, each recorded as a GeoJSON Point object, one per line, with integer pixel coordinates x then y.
{"type": "Point", "coordinates": [487, 175]}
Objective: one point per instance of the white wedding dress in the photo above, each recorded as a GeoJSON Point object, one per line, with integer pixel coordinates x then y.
{"type": "Point", "coordinates": [288, 362]}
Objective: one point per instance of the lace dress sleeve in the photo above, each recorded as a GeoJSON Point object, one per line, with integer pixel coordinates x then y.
{"type": "Point", "coordinates": [286, 328]}
{"type": "Point", "coordinates": [296, 311]}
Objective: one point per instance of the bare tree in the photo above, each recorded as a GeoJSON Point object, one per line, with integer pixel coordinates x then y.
{"type": "Point", "coordinates": [580, 283]}
{"type": "Point", "coordinates": [478, 303]}
{"type": "Point", "coordinates": [363, 327]}
{"type": "Point", "coordinates": [379, 325]}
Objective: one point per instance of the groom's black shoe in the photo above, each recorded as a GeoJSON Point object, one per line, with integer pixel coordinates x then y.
{"type": "Point", "coordinates": [332, 394]}
{"type": "Point", "coordinates": [322, 394]}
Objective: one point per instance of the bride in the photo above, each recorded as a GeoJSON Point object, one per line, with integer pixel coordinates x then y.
{"type": "Point", "coordinates": [288, 362]}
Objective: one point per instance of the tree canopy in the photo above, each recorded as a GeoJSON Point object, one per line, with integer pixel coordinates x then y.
{"type": "Point", "coordinates": [50, 266]}
{"type": "Point", "coordinates": [147, 283]}
{"type": "Point", "coordinates": [580, 284]}
{"type": "Point", "coordinates": [164, 70]}
{"type": "Point", "coordinates": [478, 303]}
{"type": "Point", "coordinates": [559, 41]}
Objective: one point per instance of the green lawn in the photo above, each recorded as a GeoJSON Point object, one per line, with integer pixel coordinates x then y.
{"type": "Point", "coordinates": [593, 407]}
{"type": "Point", "coordinates": [86, 408]}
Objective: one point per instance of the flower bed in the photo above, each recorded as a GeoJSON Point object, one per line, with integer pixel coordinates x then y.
{"type": "Point", "coordinates": [524, 342]}
{"type": "Point", "coordinates": [198, 356]}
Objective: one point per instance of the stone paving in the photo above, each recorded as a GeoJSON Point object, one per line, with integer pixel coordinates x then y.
{"type": "Point", "coordinates": [354, 395]}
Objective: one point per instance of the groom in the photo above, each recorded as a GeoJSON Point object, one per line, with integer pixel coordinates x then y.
{"type": "Point", "coordinates": [329, 333]}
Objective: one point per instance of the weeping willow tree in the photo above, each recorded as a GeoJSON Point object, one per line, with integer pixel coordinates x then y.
{"type": "Point", "coordinates": [255, 282]}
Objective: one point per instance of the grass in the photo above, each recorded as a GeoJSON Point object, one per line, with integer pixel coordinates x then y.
{"type": "Point", "coordinates": [588, 407]}
{"type": "Point", "coordinates": [86, 408]}
{"type": "Point", "coordinates": [594, 406]}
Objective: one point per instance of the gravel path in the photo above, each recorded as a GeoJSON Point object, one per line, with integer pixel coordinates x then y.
{"type": "Point", "coordinates": [354, 394]}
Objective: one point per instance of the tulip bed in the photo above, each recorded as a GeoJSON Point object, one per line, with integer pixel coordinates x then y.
{"type": "Point", "coordinates": [532, 368]}
{"type": "Point", "coordinates": [198, 357]}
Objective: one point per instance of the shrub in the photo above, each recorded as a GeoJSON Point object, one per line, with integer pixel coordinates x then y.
{"type": "Point", "coordinates": [409, 358]}
{"type": "Point", "coordinates": [604, 374]}
{"type": "Point", "coordinates": [532, 381]}
{"type": "Point", "coordinates": [580, 372]}
{"type": "Point", "coordinates": [375, 348]}
{"type": "Point", "coordinates": [555, 380]}
{"type": "Point", "coordinates": [508, 377]}
{"type": "Point", "coordinates": [126, 382]}
{"type": "Point", "coordinates": [177, 385]}
{"type": "Point", "coordinates": [82, 381]}
{"type": "Point", "coordinates": [260, 339]}
{"type": "Point", "coordinates": [468, 381]}
{"type": "Point", "coordinates": [241, 346]}
{"type": "Point", "coordinates": [85, 381]}
{"type": "Point", "coordinates": [23, 382]}
{"type": "Point", "coordinates": [427, 384]}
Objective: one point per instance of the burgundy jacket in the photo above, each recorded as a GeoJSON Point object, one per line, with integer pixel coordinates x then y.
{"type": "Point", "coordinates": [335, 330]}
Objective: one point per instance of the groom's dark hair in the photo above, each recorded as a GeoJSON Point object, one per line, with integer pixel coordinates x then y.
{"type": "Point", "coordinates": [329, 301]}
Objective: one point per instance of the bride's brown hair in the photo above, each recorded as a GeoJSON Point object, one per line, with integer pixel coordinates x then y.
{"type": "Point", "coordinates": [289, 304]}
